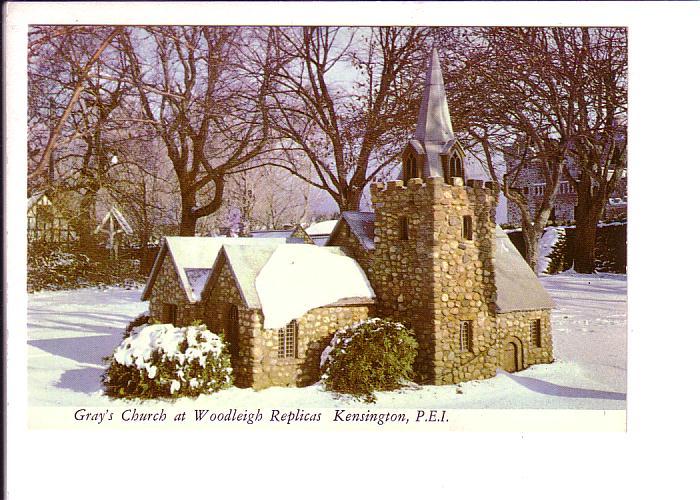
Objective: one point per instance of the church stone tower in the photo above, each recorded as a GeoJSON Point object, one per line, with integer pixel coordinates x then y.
{"type": "Point", "coordinates": [433, 265]}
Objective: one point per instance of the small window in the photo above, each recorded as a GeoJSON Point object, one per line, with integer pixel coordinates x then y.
{"type": "Point", "coordinates": [403, 228]}
{"type": "Point", "coordinates": [287, 340]}
{"type": "Point", "coordinates": [536, 332]}
{"type": "Point", "coordinates": [411, 167]}
{"type": "Point", "coordinates": [170, 313]}
{"type": "Point", "coordinates": [232, 329]}
{"type": "Point", "coordinates": [467, 231]}
{"type": "Point", "coordinates": [466, 336]}
{"type": "Point", "coordinates": [538, 189]}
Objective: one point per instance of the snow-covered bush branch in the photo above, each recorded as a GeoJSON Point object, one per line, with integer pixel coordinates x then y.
{"type": "Point", "coordinates": [166, 361]}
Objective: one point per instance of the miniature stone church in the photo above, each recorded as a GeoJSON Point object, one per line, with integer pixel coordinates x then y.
{"type": "Point", "coordinates": [430, 256]}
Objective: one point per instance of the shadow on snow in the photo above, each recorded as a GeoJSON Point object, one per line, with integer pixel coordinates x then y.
{"type": "Point", "coordinates": [562, 391]}
{"type": "Point", "coordinates": [81, 349]}
{"type": "Point", "coordinates": [86, 380]}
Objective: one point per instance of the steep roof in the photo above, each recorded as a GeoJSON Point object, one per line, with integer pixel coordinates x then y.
{"type": "Point", "coordinates": [196, 254]}
{"type": "Point", "coordinates": [517, 286]}
{"type": "Point", "coordinates": [434, 123]}
{"type": "Point", "coordinates": [434, 127]}
{"type": "Point", "coordinates": [114, 213]}
{"type": "Point", "coordinates": [244, 262]}
{"type": "Point", "coordinates": [361, 225]}
{"type": "Point", "coordinates": [286, 281]}
{"type": "Point", "coordinates": [34, 198]}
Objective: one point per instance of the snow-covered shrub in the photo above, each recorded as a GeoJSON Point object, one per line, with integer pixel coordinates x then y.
{"type": "Point", "coordinates": [63, 267]}
{"type": "Point", "coordinates": [166, 361]}
{"type": "Point", "coordinates": [372, 355]}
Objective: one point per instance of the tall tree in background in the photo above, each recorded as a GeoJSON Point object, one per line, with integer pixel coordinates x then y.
{"type": "Point", "coordinates": [537, 95]}
{"type": "Point", "coordinates": [346, 132]}
{"type": "Point", "coordinates": [203, 90]}
{"type": "Point", "coordinates": [42, 39]}
{"type": "Point", "coordinates": [77, 87]}
{"type": "Point", "coordinates": [599, 145]}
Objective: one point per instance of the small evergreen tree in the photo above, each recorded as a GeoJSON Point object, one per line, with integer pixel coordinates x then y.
{"type": "Point", "coordinates": [372, 355]}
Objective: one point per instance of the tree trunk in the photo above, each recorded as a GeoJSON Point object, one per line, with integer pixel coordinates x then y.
{"type": "Point", "coordinates": [588, 212]}
{"type": "Point", "coordinates": [188, 220]}
{"type": "Point", "coordinates": [584, 249]}
{"type": "Point", "coordinates": [188, 224]}
{"type": "Point", "coordinates": [86, 224]}
{"type": "Point", "coordinates": [532, 247]}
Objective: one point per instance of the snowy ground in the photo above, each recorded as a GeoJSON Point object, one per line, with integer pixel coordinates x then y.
{"type": "Point", "coordinates": [71, 331]}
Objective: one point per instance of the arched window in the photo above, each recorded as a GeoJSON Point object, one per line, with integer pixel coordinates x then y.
{"type": "Point", "coordinates": [411, 171]}
{"type": "Point", "coordinates": [456, 169]}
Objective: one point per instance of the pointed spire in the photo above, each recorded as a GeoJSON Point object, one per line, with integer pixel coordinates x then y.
{"type": "Point", "coordinates": [434, 123]}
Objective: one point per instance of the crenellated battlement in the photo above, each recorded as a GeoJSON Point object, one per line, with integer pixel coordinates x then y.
{"type": "Point", "coordinates": [434, 190]}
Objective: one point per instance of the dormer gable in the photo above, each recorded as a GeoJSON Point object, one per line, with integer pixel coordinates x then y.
{"type": "Point", "coordinates": [413, 160]}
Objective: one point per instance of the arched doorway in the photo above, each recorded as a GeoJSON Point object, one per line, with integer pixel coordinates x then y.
{"type": "Point", "coordinates": [512, 355]}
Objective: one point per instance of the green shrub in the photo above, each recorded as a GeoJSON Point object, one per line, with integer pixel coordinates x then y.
{"type": "Point", "coordinates": [372, 355]}
{"type": "Point", "coordinates": [163, 361]}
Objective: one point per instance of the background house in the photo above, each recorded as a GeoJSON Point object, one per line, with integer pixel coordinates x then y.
{"type": "Point", "coordinates": [45, 223]}
{"type": "Point", "coordinates": [531, 183]}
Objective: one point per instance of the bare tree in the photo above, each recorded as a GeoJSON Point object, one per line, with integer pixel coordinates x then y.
{"type": "Point", "coordinates": [77, 74]}
{"type": "Point", "coordinates": [203, 90]}
{"type": "Point", "coordinates": [345, 131]}
{"type": "Point", "coordinates": [45, 35]}
{"type": "Point", "coordinates": [599, 145]}
{"type": "Point", "coordinates": [528, 93]}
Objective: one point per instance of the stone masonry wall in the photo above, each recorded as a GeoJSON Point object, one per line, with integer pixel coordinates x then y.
{"type": "Point", "coordinates": [464, 283]}
{"type": "Point", "coordinates": [437, 279]}
{"type": "Point", "coordinates": [400, 273]}
{"type": "Point", "coordinates": [517, 324]}
{"type": "Point", "coordinates": [168, 290]}
{"type": "Point", "coordinates": [222, 295]}
{"type": "Point", "coordinates": [315, 330]}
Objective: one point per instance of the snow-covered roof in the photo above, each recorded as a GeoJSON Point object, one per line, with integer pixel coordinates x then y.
{"type": "Point", "coordinates": [114, 213]}
{"type": "Point", "coordinates": [196, 252]}
{"type": "Point", "coordinates": [286, 281]}
{"type": "Point", "coordinates": [272, 233]}
{"type": "Point", "coordinates": [298, 278]}
{"type": "Point", "coordinates": [34, 198]}
{"type": "Point", "coordinates": [321, 228]}
{"type": "Point", "coordinates": [244, 262]}
{"type": "Point", "coordinates": [361, 224]}
{"type": "Point", "coordinates": [517, 286]}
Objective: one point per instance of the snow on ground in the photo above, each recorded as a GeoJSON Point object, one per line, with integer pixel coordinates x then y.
{"type": "Point", "coordinates": [70, 331]}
